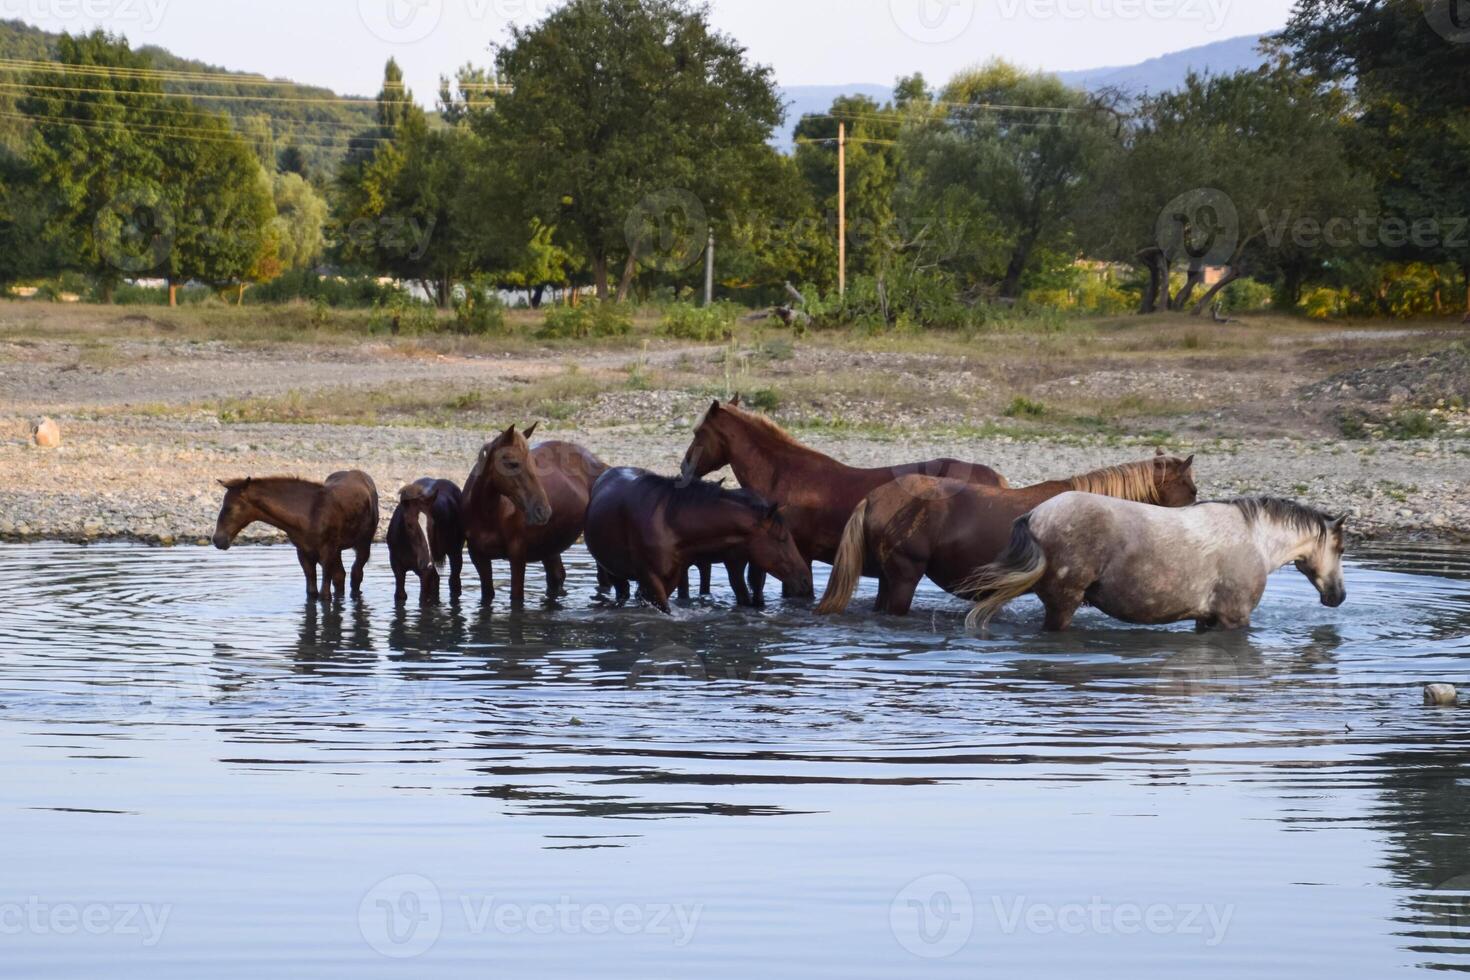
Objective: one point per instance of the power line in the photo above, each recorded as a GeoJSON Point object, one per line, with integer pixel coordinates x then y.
{"type": "Point", "coordinates": [25, 87]}
{"type": "Point", "coordinates": [183, 132]}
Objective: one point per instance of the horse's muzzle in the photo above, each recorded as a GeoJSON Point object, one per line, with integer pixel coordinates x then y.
{"type": "Point", "coordinates": [538, 515]}
{"type": "Point", "coordinates": [1334, 599]}
{"type": "Point", "coordinates": [221, 542]}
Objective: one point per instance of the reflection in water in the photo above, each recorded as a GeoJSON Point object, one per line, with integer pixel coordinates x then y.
{"type": "Point", "coordinates": [1288, 773]}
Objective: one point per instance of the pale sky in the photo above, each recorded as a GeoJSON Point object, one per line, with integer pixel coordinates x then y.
{"type": "Point", "coordinates": [343, 43]}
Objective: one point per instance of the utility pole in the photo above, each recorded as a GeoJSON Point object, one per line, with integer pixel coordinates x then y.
{"type": "Point", "coordinates": [842, 209]}
{"type": "Point", "coordinates": [709, 271]}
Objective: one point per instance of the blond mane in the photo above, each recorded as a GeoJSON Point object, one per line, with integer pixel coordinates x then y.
{"type": "Point", "coordinates": [758, 422]}
{"type": "Point", "coordinates": [1131, 481]}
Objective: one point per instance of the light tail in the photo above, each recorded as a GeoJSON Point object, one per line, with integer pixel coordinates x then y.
{"type": "Point", "coordinates": [1012, 575]}
{"type": "Point", "coordinates": [847, 569]}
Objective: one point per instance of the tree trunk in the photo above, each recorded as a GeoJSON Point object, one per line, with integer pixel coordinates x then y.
{"type": "Point", "coordinates": [1467, 289]}
{"type": "Point", "coordinates": [1017, 267]}
{"type": "Point", "coordinates": [1156, 299]}
{"type": "Point", "coordinates": [109, 290]}
{"type": "Point", "coordinates": [173, 293]}
{"type": "Point", "coordinates": [630, 269]}
{"type": "Point", "coordinates": [599, 276]}
{"type": "Point", "coordinates": [240, 296]}
{"type": "Point", "coordinates": [537, 295]}
{"type": "Point", "coordinates": [1204, 303]}
{"type": "Point", "coordinates": [1196, 278]}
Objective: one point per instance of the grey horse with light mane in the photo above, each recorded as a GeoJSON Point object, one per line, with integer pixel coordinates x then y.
{"type": "Point", "coordinates": [1151, 566]}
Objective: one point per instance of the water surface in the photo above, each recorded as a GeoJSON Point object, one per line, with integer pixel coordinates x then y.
{"type": "Point", "coordinates": [203, 775]}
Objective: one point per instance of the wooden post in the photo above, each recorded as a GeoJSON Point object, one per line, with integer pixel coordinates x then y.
{"type": "Point", "coordinates": [173, 293]}
{"type": "Point", "coordinates": [842, 209]}
{"type": "Point", "coordinates": [709, 272]}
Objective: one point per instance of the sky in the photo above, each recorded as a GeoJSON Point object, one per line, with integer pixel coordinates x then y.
{"type": "Point", "coordinates": [343, 44]}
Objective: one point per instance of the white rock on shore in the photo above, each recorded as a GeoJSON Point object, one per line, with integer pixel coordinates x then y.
{"type": "Point", "coordinates": [45, 433]}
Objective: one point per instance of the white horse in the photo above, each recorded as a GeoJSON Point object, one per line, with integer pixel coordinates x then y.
{"type": "Point", "coordinates": [1150, 566]}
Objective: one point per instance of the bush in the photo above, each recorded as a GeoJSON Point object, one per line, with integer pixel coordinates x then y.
{"type": "Point", "coordinates": [478, 310]}
{"type": "Point", "coordinates": [357, 292]}
{"type": "Point", "coordinates": [590, 320]}
{"type": "Point", "coordinates": [1025, 408]}
{"type": "Point", "coordinates": [1245, 296]}
{"type": "Point", "coordinates": [400, 315]}
{"type": "Point", "coordinates": [685, 321]}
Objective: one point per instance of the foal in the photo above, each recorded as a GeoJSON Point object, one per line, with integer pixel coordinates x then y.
{"type": "Point", "coordinates": [321, 519]}
{"type": "Point", "coordinates": [424, 534]}
{"type": "Point", "coordinates": [1143, 565]}
{"type": "Point", "coordinates": [650, 529]}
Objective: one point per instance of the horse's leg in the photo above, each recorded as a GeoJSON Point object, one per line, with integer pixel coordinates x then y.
{"type": "Point", "coordinates": [400, 576]}
{"type": "Point", "coordinates": [429, 587]}
{"type": "Point", "coordinates": [556, 578]}
{"type": "Point", "coordinates": [308, 566]}
{"type": "Point", "coordinates": [684, 585]}
{"type": "Point", "coordinates": [880, 605]}
{"type": "Point", "coordinates": [736, 571]}
{"type": "Point", "coordinates": [900, 598]}
{"type": "Point", "coordinates": [339, 576]}
{"type": "Point", "coordinates": [605, 582]}
{"type": "Point", "coordinates": [359, 567]}
{"type": "Point", "coordinates": [757, 587]}
{"type": "Point", "coordinates": [486, 568]}
{"type": "Point", "coordinates": [656, 593]}
{"type": "Point", "coordinates": [456, 574]}
{"type": "Point", "coordinates": [704, 576]}
{"type": "Point", "coordinates": [517, 584]}
{"type": "Point", "coordinates": [623, 590]}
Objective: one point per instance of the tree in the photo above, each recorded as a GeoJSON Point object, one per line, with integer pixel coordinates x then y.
{"type": "Point", "coordinates": [1409, 65]}
{"type": "Point", "coordinates": [300, 221]}
{"type": "Point", "coordinates": [617, 109]}
{"type": "Point", "coordinates": [1003, 166]}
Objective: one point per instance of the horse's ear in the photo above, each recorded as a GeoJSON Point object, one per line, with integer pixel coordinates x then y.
{"type": "Point", "coordinates": [715, 408]}
{"type": "Point", "coordinates": [1340, 523]}
{"type": "Point", "coordinates": [735, 402]}
{"type": "Point", "coordinates": [1188, 464]}
{"type": "Point", "coordinates": [1160, 451]}
{"type": "Point", "coordinates": [531, 431]}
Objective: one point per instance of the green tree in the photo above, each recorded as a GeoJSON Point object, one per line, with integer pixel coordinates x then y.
{"type": "Point", "coordinates": [1002, 168]}
{"type": "Point", "coordinates": [616, 108]}
{"type": "Point", "coordinates": [300, 221]}
{"type": "Point", "coordinates": [1409, 65]}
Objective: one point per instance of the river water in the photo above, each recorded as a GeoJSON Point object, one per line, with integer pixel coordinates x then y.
{"type": "Point", "coordinates": [204, 776]}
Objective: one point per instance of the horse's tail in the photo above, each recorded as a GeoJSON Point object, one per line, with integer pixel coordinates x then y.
{"type": "Point", "coordinates": [847, 569]}
{"type": "Point", "coordinates": [1012, 575]}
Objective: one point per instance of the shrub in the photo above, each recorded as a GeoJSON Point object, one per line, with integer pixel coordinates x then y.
{"type": "Point", "coordinates": [764, 400]}
{"type": "Point", "coordinates": [685, 321]}
{"type": "Point", "coordinates": [478, 310]}
{"type": "Point", "coordinates": [356, 292]}
{"type": "Point", "coordinates": [399, 315]}
{"type": "Point", "coordinates": [1025, 408]}
{"type": "Point", "coordinates": [590, 320]}
{"type": "Point", "coordinates": [1245, 296]}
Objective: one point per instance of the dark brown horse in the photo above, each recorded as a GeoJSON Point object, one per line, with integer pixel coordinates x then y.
{"type": "Point", "coordinates": [424, 534]}
{"type": "Point", "coordinates": [816, 492]}
{"type": "Point", "coordinates": [650, 529]}
{"type": "Point", "coordinates": [524, 507]}
{"type": "Point", "coordinates": [918, 526]}
{"type": "Point", "coordinates": [321, 519]}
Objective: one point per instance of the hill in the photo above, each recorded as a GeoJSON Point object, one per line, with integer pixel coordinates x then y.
{"type": "Point", "coordinates": [1169, 71]}
{"type": "Point", "coordinates": [272, 113]}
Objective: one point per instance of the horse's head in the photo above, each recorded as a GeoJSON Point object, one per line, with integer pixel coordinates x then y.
{"type": "Point", "coordinates": [710, 450]}
{"type": "Point", "coordinates": [506, 467]}
{"type": "Point", "coordinates": [773, 550]}
{"type": "Point", "coordinates": [1174, 478]}
{"type": "Point", "coordinates": [237, 513]}
{"type": "Point", "coordinates": [418, 501]}
{"type": "Point", "coordinates": [1322, 564]}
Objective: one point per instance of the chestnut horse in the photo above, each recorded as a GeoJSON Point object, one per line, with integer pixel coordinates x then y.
{"type": "Point", "coordinates": [1143, 565]}
{"type": "Point", "coordinates": [818, 493]}
{"type": "Point", "coordinates": [651, 529]}
{"type": "Point", "coordinates": [424, 534]}
{"type": "Point", "coordinates": [321, 519]}
{"type": "Point", "coordinates": [525, 507]}
{"type": "Point", "coordinates": [918, 526]}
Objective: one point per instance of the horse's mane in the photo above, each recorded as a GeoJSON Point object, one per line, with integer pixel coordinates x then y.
{"type": "Point", "coordinates": [1131, 481]}
{"type": "Point", "coordinates": [707, 491]}
{"type": "Point", "coordinates": [1277, 510]}
{"type": "Point", "coordinates": [760, 423]}
{"type": "Point", "coordinates": [255, 481]}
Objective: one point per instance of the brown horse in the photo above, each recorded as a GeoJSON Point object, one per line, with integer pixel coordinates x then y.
{"type": "Point", "coordinates": [816, 492]}
{"type": "Point", "coordinates": [526, 506]}
{"type": "Point", "coordinates": [651, 529]}
{"type": "Point", "coordinates": [424, 534]}
{"type": "Point", "coordinates": [321, 519]}
{"type": "Point", "coordinates": [918, 526]}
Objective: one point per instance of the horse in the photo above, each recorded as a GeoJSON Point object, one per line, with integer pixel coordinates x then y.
{"type": "Point", "coordinates": [1151, 567]}
{"type": "Point", "coordinates": [425, 533]}
{"type": "Point", "coordinates": [651, 529]}
{"type": "Point", "coordinates": [736, 572]}
{"type": "Point", "coordinates": [817, 492]}
{"type": "Point", "coordinates": [321, 519]}
{"type": "Point", "coordinates": [918, 526]}
{"type": "Point", "coordinates": [526, 506]}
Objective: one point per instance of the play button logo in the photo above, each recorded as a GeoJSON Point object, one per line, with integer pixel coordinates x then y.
{"type": "Point", "coordinates": [401, 21]}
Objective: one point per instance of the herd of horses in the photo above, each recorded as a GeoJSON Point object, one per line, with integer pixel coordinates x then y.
{"type": "Point", "coordinates": [1132, 541]}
